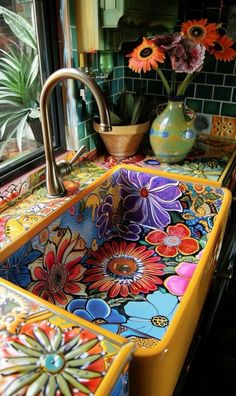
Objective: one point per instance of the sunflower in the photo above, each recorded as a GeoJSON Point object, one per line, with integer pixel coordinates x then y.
{"type": "Point", "coordinates": [145, 56]}
{"type": "Point", "coordinates": [200, 32]}
{"type": "Point", "coordinates": [222, 49]}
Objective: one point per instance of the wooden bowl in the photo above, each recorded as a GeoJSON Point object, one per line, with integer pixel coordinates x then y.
{"type": "Point", "coordinates": [123, 141]}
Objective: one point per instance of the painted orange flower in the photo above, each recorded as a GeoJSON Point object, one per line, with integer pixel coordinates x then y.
{"type": "Point", "coordinates": [200, 32]}
{"type": "Point", "coordinates": [222, 49]}
{"type": "Point", "coordinates": [121, 268]}
{"type": "Point", "coordinates": [145, 56]}
{"type": "Point", "coordinates": [175, 240]}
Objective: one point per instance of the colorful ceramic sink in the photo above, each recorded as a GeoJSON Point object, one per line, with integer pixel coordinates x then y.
{"type": "Point", "coordinates": [134, 254]}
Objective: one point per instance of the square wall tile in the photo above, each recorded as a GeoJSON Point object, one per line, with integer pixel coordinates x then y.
{"type": "Point", "coordinates": [225, 67]}
{"type": "Point", "coordinates": [230, 81]}
{"type": "Point", "coordinates": [214, 78]}
{"type": "Point", "coordinates": [203, 91]}
{"type": "Point", "coordinates": [228, 109]}
{"type": "Point", "coordinates": [222, 93]}
{"type": "Point", "coordinates": [210, 107]}
{"type": "Point", "coordinates": [194, 104]}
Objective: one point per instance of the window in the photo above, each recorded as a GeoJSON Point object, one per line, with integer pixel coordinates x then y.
{"type": "Point", "coordinates": [29, 52]}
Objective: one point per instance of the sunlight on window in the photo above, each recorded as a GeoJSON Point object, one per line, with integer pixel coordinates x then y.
{"type": "Point", "coordinates": [20, 129]}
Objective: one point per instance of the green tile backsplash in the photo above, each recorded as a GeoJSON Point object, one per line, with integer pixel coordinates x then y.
{"type": "Point", "coordinates": [213, 91]}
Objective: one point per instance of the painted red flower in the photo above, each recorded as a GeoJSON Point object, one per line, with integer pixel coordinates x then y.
{"type": "Point", "coordinates": [59, 271]}
{"type": "Point", "coordinates": [121, 268]}
{"type": "Point", "coordinates": [176, 239]}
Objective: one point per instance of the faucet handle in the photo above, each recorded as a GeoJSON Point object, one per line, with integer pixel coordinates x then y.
{"type": "Point", "coordinates": [80, 152]}
{"type": "Point", "coordinates": [65, 167]}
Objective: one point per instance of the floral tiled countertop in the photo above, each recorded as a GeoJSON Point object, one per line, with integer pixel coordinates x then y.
{"type": "Point", "coordinates": [25, 207]}
{"type": "Point", "coordinates": [45, 350]}
{"type": "Point", "coordinates": [211, 159]}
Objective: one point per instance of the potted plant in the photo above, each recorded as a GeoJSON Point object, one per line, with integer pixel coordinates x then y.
{"type": "Point", "coordinates": [129, 125]}
{"type": "Point", "coordinates": [19, 83]}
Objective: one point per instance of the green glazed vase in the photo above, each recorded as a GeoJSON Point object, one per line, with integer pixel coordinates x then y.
{"type": "Point", "coordinates": [172, 133]}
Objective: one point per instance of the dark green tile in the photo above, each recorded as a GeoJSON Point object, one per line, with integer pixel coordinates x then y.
{"type": "Point", "coordinates": [222, 93]}
{"type": "Point", "coordinates": [114, 87]}
{"type": "Point", "coordinates": [93, 141]}
{"type": "Point", "coordinates": [128, 84]}
{"type": "Point", "coordinates": [74, 38]}
{"type": "Point", "coordinates": [209, 64]}
{"type": "Point", "coordinates": [214, 79]}
{"type": "Point", "coordinates": [118, 72]}
{"type": "Point", "coordinates": [225, 67]}
{"type": "Point", "coordinates": [230, 81]}
{"type": "Point", "coordinates": [155, 87]}
{"type": "Point", "coordinates": [190, 90]}
{"type": "Point", "coordinates": [81, 130]}
{"type": "Point", "coordinates": [121, 84]}
{"type": "Point", "coordinates": [140, 84]}
{"type": "Point", "coordinates": [75, 58]}
{"type": "Point", "coordinates": [228, 109]}
{"type": "Point", "coordinates": [72, 12]}
{"type": "Point", "coordinates": [210, 107]}
{"type": "Point", "coordinates": [89, 127]}
{"type": "Point", "coordinates": [194, 104]}
{"type": "Point", "coordinates": [200, 78]}
{"type": "Point", "coordinates": [167, 74]}
{"type": "Point", "coordinates": [121, 58]}
{"type": "Point", "coordinates": [85, 142]}
{"type": "Point", "coordinates": [151, 75]}
{"type": "Point", "coordinates": [130, 73]}
{"type": "Point", "coordinates": [234, 96]}
{"type": "Point", "coordinates": [204, 91]}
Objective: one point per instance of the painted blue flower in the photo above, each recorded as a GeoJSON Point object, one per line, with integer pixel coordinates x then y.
{"type": "Point", "coordinates": [152, 317]}
{"type": "Point", "coordinates": [16, 267]}
{"type": "Point", "coordinates": [129, 232]}
{"type": "Point", "coordinates": [148, 198]}
{"type": "Point", "coordinates": [97, 311]}
{"type": "Point", "coordinates": [104, 216]}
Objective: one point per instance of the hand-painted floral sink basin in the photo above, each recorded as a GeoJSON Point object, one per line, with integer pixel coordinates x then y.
{"type": "Point", "coordinates": [135, 254]}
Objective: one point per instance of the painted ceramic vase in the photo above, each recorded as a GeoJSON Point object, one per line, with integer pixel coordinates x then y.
{"type": "Point", "coordinates": [172, 133]}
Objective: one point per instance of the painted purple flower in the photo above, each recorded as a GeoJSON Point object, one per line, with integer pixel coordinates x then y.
{"type": "Point", "coordinates": [148, 198]}
{"type": "Point", "coordinates": [104, 216]}
{"type": "Point", "coordinates": [129, 232]}
{"type": "Point", "coordinates": [187, 56]}
{"type": "Point", "coordinates": [167, 41]}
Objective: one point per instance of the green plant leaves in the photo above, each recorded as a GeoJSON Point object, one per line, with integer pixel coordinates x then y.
{"type": "Point", "coordinates": [20, 27]}
{"type": "Point", "coordinates": [19, 80]}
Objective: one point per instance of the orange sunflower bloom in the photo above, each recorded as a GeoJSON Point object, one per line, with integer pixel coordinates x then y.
{"type": "Point", "coordinates": [200, 32]}
{"type": "Point", "coordinates": [145, 56]}
{"type": "Point", "coordinates": [223, 48]}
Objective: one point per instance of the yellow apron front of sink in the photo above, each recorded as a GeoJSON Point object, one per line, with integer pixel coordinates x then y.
{"type": "Point", "coordinates": [127, 238]}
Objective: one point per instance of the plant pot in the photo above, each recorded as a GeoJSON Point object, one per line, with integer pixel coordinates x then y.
{"type": "Point", "coordinates": [123, 141]}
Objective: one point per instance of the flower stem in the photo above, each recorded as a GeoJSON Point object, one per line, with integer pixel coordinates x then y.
{"type": "Point", "coordinates": [183, 86]}
{"type": "Point", "coordinates": [173, 81]}
{"type": "Point", "coordinates": [165, 83]}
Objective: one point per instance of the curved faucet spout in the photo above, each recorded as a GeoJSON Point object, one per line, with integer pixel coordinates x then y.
{"type": "Point", "coordinates": [54, 172]}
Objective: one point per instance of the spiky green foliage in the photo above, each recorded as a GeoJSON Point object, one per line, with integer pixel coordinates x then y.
{"type": "Point", "coordinates": [19, 79]}
{"type": "Point", "coordinates": [128, 109]}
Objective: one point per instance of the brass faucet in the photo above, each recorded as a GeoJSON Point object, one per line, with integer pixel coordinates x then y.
{"type": "Point", "coordinates": [54, 171]}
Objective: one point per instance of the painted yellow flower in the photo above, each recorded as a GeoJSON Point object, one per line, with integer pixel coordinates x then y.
{"type": "Point", "coordinates": [145, 56]}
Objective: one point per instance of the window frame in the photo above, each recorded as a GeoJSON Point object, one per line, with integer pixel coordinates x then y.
{"type": "Point", "coordinates": [47, 25]}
